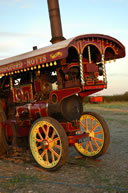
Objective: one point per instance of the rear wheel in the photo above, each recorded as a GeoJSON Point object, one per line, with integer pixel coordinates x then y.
{"type": "Point", "coordinates": [48, 143]}
{"type": "Point", "coordinates": [97, 142]}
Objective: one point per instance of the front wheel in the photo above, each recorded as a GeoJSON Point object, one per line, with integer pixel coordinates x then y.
{"type": "Point", "coordinates": [97, 142]}
{"type": "Point", "coordinates": [48, 143]}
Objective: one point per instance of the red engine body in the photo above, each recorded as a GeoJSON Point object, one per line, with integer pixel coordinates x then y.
{"type": "Point", "coordinates": [52, 81]}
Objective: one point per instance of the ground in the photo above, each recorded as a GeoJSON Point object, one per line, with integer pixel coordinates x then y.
{"type": "Point", "coordinates": [108, 174]}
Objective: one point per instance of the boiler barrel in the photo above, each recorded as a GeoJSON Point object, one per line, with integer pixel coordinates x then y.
{"type": "Point", "coordinates": [69, 109]}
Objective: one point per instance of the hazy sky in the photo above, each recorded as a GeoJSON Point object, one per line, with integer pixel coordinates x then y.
{"type": "Point", "coordinates": [25, 23]}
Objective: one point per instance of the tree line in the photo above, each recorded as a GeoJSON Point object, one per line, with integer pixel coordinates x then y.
{"type": "Point", "coordinates": [111, 98]}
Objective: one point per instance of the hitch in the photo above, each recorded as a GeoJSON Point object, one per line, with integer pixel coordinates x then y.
{"type": "Point", "coordinates": [74, 139]}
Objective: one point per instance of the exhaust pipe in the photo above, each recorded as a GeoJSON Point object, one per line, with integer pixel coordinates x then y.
{"type": "Point", "coordinates": [55, 21]}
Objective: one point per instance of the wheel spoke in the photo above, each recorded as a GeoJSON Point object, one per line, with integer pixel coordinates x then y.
{"type": "Point", "coordinates": [40, 135]}
{"type": "Point", "coordinates": [91, 123]}
{"type": "Point", "coordinates": [94, 127]}
{"type": "Point", "coordinates": [54, 152]}
{"type": "Point", "coordinates": [39, 147]}
{"type": "Point", "coordinates": [86, 149]}
{"type": "Point", "coordinates": [53, 134]}
{"type": "Point", "coordinates": [86, 125]}
{"type": "Point", "coordinates": [81, 144]}
{"type": "Point", "coordinates": [83, 125]}
{"type": "Point", "coordinates": [99, 132]}
{"type": "Point", "coordinates": [97, 139]}
{"type": "Point", "coordinates": [47, 132]}
{"type": "Point", "coordinates": [44, 130]}
{"type": "Point", "coordinates": [90, 144]}
{"type": "Point", "coordinates": [53, 157]}
{"type": "Point", "coordinates": [38, 140]}
{"type": "Point", "coordinates": [58, 146]}
{"type": "Point", "coordinates": [42, 155]}
{"type": "Point", "coordinates": [46, 154]}
{"type": "Point", "coordinates": [96, 143]}
{"type": "Point", "coordinates": [56, 139]}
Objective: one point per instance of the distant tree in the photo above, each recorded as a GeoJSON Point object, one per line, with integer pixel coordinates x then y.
{"type": "Point", "coordinates": [126, 93]}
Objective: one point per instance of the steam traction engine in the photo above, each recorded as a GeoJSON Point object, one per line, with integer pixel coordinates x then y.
{"type": "Point", "coordinates": [42, 91]}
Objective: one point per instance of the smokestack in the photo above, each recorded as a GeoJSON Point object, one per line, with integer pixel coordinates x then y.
{"type": "Point", "coordinates": [55, 21]}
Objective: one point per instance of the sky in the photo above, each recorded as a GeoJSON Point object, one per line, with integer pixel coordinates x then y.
{"type": "Point", "coordinates": [25, 23]}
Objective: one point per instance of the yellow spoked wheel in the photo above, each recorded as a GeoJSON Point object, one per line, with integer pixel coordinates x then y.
{"type": "Point", "coordinates": [96, 144]}
{"type": "Point", "coordinates": [48, 143]}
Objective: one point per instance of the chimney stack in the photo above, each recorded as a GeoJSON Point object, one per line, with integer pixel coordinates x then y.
{"type": "Point", "coordinates": [55, 21]}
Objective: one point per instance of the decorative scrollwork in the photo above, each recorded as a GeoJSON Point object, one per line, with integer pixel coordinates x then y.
{"type": "Point", "coordinates": [19, 94]}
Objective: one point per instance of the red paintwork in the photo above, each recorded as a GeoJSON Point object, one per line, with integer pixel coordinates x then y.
{"type": "Point", "coordinates": [70, 128]}
{"type": "Point", "coordinates": [73, 139]}
{"type": "Point", "coordinates": [2, 102]}
{"type": "Point", "coordinates": [87, 93]}
{"type": "Point", "coordinates": [9, 129]}
{"type": "Point", "coordinates": [27, 114]}
{"type": "Point", "coordinates": [37, 85]}
{"type": "Point", "coordinates": [63, 93]}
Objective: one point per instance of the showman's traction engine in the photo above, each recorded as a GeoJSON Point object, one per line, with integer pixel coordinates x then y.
{"type": "Point", "coordinates": [41, 94]}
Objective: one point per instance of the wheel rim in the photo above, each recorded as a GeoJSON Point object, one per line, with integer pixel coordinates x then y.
{"type": "Point", "coordinates": [93, 144]}
{"type": "Point", "coordinates": [45, 144]}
